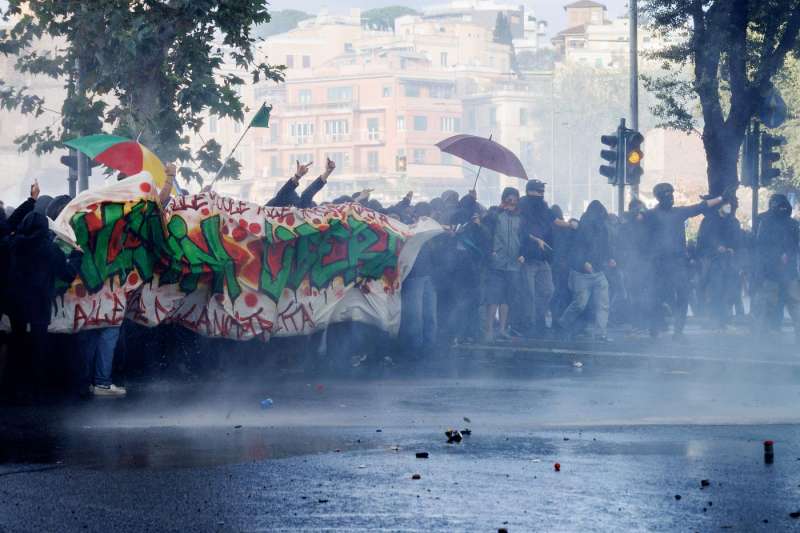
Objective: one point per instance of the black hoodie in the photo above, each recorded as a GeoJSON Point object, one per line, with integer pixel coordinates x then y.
{"type": "Point", "coordinates": [591, 243]}
{"type": "Point", "coordinates": [36, 262]}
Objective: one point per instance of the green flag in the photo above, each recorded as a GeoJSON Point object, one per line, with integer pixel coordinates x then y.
{"type": "Point", "coordinates": [261, 120]}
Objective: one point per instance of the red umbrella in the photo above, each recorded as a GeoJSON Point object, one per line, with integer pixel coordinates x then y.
{"type": "Point", "coordinates": [484, 153]}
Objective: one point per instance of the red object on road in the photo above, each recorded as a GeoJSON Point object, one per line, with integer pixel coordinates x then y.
{"type": "Point", "coordinates": [769, 452]}
{"type": "Point", "coordinates": [557, 466]}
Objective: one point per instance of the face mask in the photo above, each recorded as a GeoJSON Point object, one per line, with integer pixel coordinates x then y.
{"type": "Point", "coordinates": [667, 202]}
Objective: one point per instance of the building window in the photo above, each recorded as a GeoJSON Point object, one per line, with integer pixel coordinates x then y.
{"type": "Point", "coordinates": [401, 123]}
{"type": "Point", "coordinates": [290, 61]}
{"type": "Point", "coordinates": [411, 90]}
{"type": "Point", "coordinates": [419, 156]}
{"type": "Point", "coordinates": [441, 91]}
{"type": "Point", "coordinates": [337, 130]}
{"type": "Point", "coordinates": [450, 124]}
{"type": "Point", "coordinates": [387, 91]}
{"type": "Point", "coordinates": [340, 94]}
{"type": "Point", "coordinates": [472, 120]}
{"type": "Point", "coordinates": [303, 157]}
{"type": "Point", "coordinates": [302, 132]}
{"type": "Point", "coordinates": [372, 161]}
{"type": "Point", "coordinates": [348, 48]}
{"type": "Point", "coordinates": [274, 166]}
{"type": "Point", "coordinates": [420, 123]}
{"type": "Point", "coordinates": [304, 96]}
{"type": "Point", "coordinates": [523, 117]}
{"type": "Point", "coordinates": [493, 117]}
{"type": "Point", "coordinates": [306, 61]}
{"type": "Point", "coordinates": [213, 124]}
{"type": "Point", "coordinates": [275, 132]}
{"type": "Point", "coordinates": [443, 59]}
{"type": "Point", "coordinates": [373, 125]}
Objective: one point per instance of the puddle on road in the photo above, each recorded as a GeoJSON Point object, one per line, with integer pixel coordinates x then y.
{"type": "Point", "coordinates": [162, 447]}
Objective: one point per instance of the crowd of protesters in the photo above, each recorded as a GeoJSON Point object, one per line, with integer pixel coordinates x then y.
{"type": "Point", "coordinates": [516, 269]}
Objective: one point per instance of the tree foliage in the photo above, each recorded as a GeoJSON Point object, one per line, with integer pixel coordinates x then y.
{"type": "Point", "coordinates": [281, 22]}
{"type": "Point", "coordinates": [147, 69]}
{"type": "Point", "coordinates": [383, 18]}
{"type": "Point", "coordinates": [723, 54]}
{"type": "Point", "coordinates": [502, 30]}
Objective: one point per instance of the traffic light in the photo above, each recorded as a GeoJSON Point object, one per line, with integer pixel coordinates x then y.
{"type": "Point", "coordinates": [71, 161]}
{"type": "Point", "coordinates": [633, 157]}
{"type": "Point", "coordinates": [769, 157]}
{"type": "Point", "coordinates": [612, 170]}
{"type": "Point", "coordinates": [401, 163]}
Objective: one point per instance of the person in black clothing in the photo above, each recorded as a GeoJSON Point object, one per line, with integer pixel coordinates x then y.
{"type": "Point", "coordinates": [718, 243]}
{"type": "Point", "coordinates": [777, 255]}
{"type": "Point", "coordinates": [536, 245]}
{"type": "Point", "coordinates": [35, 264]}
{"type": "Point", "coordinates": [589, 258]}
{"type": "Point", "coordinates": [562, 242]}
{"type": "Point", "coordinates": [634, 264]}
{"type": "Point", "coordinates": [287, 195]}
{"type": "Point", "coordinates": [670, 263]}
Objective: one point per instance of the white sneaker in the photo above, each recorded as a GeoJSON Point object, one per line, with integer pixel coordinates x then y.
{"type": "Point", "coordinates": [109, 391]}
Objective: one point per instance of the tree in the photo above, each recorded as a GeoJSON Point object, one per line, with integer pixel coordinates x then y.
{"type": "Point", "coordinates": [147, 69]}
{"type": "Point", "coordinates": [383, 18]}
{"type": "Point", "coordinates": [788, 82]}
{"type": "Point", "coordinates": [543, 59]}
{"type": "Point", "coordinates": [732, 50]}
{"type": "Point", "coordinates": [281, 22]}
{"type": "Point", "coordinates": [502, 30]}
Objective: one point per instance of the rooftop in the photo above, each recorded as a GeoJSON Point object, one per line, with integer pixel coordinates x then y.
{"type": "Point", "coordinates": [584, 4]}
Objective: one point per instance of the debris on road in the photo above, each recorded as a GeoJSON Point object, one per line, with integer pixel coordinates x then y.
{"type": "Point", "coordinates": [705, 483]}
{"type": "Point", "coordinates": [362, 466]}
{"type": "Point", "coordinates": [394, 448]}
{"type": "Point", "coordinates": [422, 455]}
{"type": "Point", "coordinates": [536, 460]}
{"type": "Point", "coordinates": [237, 426]}
{"type": "Point", "coordinates": [466, 432]}
{"type": "Point", "coordinates": [677, 497]}
{"type": "Point", "coordinates": [266, 403]}
{"type": "Point", "coordinates": [467, 420]}
{"type": "Point", "coordinates": [577, 364]}
{"type": "Point", "coordinates": [416, 476]}
{"type": "Point", "coordinates": [502, 530]}
{"type": "Point", "coordinates": [453, 435]}
{"type": "Point", "coordinates": [795, 514]}
{"type": "Point", "coordinates": [378, 431]}
{"type": "Point", "coordinates": [557, 467]}
{"type": "Point", "coordinates": [322, 500]}
{"type": "Point", "coordinates": [769, 452]}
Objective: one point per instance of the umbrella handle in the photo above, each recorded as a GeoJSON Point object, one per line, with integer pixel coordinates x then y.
{"type": "Point", "coordinates": [478, 175]}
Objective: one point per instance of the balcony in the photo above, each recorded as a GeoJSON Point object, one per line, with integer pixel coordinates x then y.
{"type": "Point", "coordinates": [314, 109]}
{"type": "Point", "coordinates": [371, 137]}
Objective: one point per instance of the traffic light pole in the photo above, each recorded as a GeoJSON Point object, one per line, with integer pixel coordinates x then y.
{"type": "Point", "coordinates": [633, 38]}
{"type": "Point", "coordinates": [621, 165]}
{"type": "Point", "coordinates": [83, 172]}
{"type": "Point", "coordinates": [756, 177]}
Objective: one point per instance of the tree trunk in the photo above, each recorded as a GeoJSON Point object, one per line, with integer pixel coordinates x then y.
{"type": "Point", "coordinates": [722, 152]}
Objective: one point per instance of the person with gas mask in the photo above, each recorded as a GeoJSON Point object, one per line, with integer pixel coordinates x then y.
{"type": "Point", "coordinates": [718, 244]}
{"type": "Point", "coordinates": [666, 225]}
{"type": "Point", "coordinates": [778, 278]}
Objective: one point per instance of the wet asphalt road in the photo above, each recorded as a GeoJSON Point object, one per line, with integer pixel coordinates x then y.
{"type": "Point", "coordinates": [340, 455]}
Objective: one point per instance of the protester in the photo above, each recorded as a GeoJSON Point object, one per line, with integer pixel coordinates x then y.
{"type": "Point", "coordinates": [670, 263]}
{"type": "Point", "coordinates": [590, 257]}
{"type": "Point", "coordinates": [287, 195]}
{"type": "Point", "coordinates": [718, 243]}
{"type": "Point", "coordinates": [634, 264]}
{"type": "Point", "coordinates": [778, 277]}
{"type": "Point", "coordinates": [503, 224]}
{"type": "Point", "coordinates": [538, 221]}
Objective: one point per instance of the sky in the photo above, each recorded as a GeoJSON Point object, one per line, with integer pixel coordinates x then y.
{"type": "Point", "coordinates": [550, 10]}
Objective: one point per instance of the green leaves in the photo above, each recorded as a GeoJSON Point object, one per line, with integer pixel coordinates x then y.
{"type": "Point", "coordinates": [160, 61]}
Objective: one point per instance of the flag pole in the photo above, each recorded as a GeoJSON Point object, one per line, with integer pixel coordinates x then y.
{"type": "Point", "coordinates": [241, 137]}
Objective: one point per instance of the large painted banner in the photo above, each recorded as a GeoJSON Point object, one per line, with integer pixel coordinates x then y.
{"type": "Point", "coordinates": [228, 268]}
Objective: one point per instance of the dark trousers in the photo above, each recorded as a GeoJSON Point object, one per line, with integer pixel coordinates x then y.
{"type": "Point", "coordinates": [28, 355]}
{"type": "Point", "coordinates": [671, 287]}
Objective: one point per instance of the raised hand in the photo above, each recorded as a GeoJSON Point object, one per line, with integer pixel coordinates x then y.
{"type": "Point", "coordinates": [302, 170]}
{"type": "Point", "coordinates": [35, 189]}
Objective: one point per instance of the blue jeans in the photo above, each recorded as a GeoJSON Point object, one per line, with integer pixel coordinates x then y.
{"type": "Point", "coordinates": [97, 348]}
{"type": "Point", "coordinates": [418, 322]}
{"type": "Point", "coordinates": [586, 288]}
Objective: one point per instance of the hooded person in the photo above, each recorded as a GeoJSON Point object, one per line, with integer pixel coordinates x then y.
{"type": "Point", "coordinates": [777, 274]}
{"type": "Point", "coordinates": [666, 235]}
{"type": "Point", "coordinates": [634, 264]}
{"type": "Point", "coordinates": [718, 243]}
{"type": "Point", "coordinates": [537, 239]}
{"type": "Point", "coordinates": [36, 263]}
{"type": "Point", "coordinates": [590, 257]}
{"type": "Point", "coordinates": [503, 224]}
